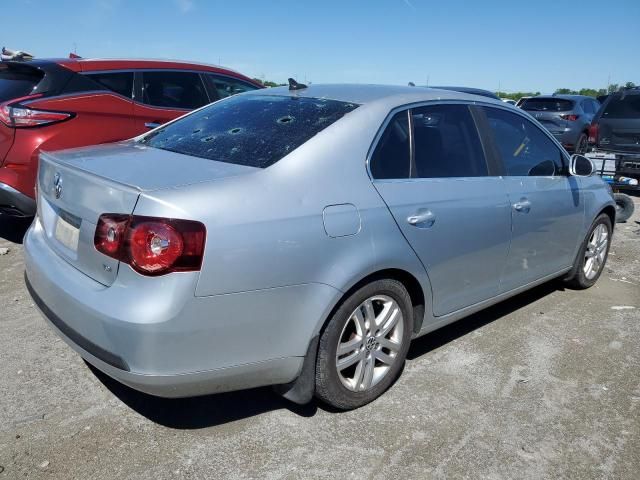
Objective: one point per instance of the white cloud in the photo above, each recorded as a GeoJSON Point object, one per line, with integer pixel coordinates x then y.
{"type": "Point", "coordinates": [184, 5]}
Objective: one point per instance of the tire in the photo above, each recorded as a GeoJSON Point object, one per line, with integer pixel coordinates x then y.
{"type": "Point", "coordinates": [592, 255]}
{"type": "Point", "coordinates": [624, 207]}
{"type": "Point", "coordinates": [371, 365]}
{"type": "Point", "coordinates": [581, 144]}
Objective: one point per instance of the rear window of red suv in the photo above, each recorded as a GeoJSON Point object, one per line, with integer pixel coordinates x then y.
{"type": "Point", "coordinates": [17, 81]}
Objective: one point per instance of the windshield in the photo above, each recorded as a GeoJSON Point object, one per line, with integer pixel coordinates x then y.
{"type": "Point", "coordinates": [251, 130]}
{"type": "Point", "coordinates": [17, 81]}
{"type": "Point", "coordinates": [547, 105]}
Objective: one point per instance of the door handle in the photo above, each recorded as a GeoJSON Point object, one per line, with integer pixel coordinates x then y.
{"type": "Point", "coordinates": [523, 206]}
{"type": "Point", "coordinates": [422, 219]}
{"type": "Point", "coordinates": [152, 125]}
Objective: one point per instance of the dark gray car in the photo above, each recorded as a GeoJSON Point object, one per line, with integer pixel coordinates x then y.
{"type": "Point", "coordinates": [567, 117]}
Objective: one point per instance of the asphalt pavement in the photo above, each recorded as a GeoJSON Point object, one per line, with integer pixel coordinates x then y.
{"type": "Point", "coordinates": [545, 385]}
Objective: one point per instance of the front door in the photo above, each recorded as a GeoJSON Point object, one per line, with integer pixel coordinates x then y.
{"type": "Point", "coordinates": [547, 205]}
{"type": "Point", "coordinates": [455, 216]}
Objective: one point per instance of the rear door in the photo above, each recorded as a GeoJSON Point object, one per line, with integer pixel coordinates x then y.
{"type": "Point", "coordinates": [547, 205]}
{"type": "Point", "coordinates": [619, 123]}
{"type": "Point", "coordinates": [163, 95]}
{"type": "Point", "coordinates": [447, 202]}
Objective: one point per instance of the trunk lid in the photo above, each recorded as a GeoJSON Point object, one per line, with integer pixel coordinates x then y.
{"type": "Point", "coordinates": [76, 186]}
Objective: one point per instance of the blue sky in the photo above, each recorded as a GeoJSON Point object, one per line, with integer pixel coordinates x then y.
{"type": "Point", "coordinates": [534, 45]}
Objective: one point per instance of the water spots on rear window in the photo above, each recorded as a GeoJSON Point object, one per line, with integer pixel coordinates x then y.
{"type": "Point", "coordinates": [208, 138]}
{"type": "Point", "coordinates": [197, 130]}
{"type": "Point", "coordinates": [235, 130]}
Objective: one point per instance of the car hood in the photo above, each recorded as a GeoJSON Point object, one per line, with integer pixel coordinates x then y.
{"type": "Point", "coordinates": [146, 168]}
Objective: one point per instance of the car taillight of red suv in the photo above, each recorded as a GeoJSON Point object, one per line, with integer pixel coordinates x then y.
{"type": "Point", "coordinates": [59, 104]}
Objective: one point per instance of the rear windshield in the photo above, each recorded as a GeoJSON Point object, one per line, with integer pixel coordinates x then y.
{"type": "Point", "coordinates": [17, 81]}
{"type": "Point", "coordinates": [251, 130]}
{"type": "Point", "coordinates": [627, 107]}
{"type": "Point", "coordinates": [547, 105]}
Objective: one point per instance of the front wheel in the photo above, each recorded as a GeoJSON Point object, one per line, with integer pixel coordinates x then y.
{"type": "Point", "coordinates": [364, 345]}
{"type": "Point", "coordinates": [592, 255]}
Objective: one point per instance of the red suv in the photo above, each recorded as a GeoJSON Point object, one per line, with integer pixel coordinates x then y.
{"type": "Point", "coordinates": [56, 104]}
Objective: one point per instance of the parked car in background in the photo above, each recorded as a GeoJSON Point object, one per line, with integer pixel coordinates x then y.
{"type": "Point", "coordinates": [509, 101]}
{"type": "Point", "coordinates": [56, 104]}
{"type": "Point", "coordinates": [614, 136]}
{"type": "Point", "coordinates": [302, 237]}
{"type": "Point", "coordinates": [567, 117]}
{"type": "Point", "coordinates": [520, 101]}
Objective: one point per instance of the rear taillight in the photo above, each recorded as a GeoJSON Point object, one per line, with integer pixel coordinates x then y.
{"type": "Point", "coordinates": [593, 133]}
{"type": "Point", "coordinates": [15, 115]}
{"type": "Point", "coordinates": [570, 117]}
{"type": "Point", "coordinates": [150, 245]}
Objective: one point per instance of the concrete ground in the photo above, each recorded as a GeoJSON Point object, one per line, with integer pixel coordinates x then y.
{"type": "Point", "coordinates": [546, 385]}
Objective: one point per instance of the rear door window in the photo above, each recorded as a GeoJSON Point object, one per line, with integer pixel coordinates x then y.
{"type": "Point", "coordinates": [252, 130]}
{"type": "Point", "coordinates": [547, 105]}
{"type": "Point", "coordinates": [118, 82]}
{"type": "Point", "coordinates": [447, 143]}
{"type": "Point", "coordinates": [392, 156]}
{"type": "Point", "coordinates": [623, 107]}
{"type": "Point", "coordinates": [168, 89]}
{"type": "Point", "coordinates": [17, 81]}
{"type": "Point", "coordinates": [524, 149]}
{"type": "Point", "coordinates": [225, 87]}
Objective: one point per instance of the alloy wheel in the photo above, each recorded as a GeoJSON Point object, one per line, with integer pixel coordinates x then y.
{"type": "Point", "coordinates": [596, 251]}
{"type": "Point", "coordinates": [369, 343]}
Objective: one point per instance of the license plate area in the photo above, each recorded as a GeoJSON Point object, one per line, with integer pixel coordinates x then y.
{"type": "Point", "coordinates": [67, 230]}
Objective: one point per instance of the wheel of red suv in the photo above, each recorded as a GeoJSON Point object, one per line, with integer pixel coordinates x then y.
{"type": "Point", "coordinates": [364, 345]}
{"type": "Point", "coordinates": [593, 254]}
{"type": "Point", "coordinates": [581, 144]}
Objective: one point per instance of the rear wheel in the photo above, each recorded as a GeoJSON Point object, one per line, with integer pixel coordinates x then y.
{"type": "Point", "coordinates": [364, 345]}
{"type": "Point", "coordinates": [593, 254]}
{"type": "Point", "coordinates": [624, 207]}
{"type": "Point", "coordinates": [581, 144]}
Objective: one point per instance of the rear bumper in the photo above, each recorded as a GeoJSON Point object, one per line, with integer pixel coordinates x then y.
{"type": "Point", "coordinates": [568, 138]}
{"type": "Point", "coordinates": [154, 335]}
{"type": "Point", "coordinates": [16, 203]}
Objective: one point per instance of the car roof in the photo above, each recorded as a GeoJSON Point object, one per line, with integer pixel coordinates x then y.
{"type": "Point", "coordinates": [476, 91]}
{"type": "Point", "coordinates": [563, 96]}
{"type": "Point", "coordinates": [362, 94]}
{"type": "Point", "coordinates": [101, 64]}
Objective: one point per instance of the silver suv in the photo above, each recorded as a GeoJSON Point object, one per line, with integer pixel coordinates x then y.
{"type": "Point", "coordinates": [567, 117]}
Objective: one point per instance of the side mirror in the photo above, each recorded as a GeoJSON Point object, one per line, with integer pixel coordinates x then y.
{"type": "Point", "coordinates": [581, 166]}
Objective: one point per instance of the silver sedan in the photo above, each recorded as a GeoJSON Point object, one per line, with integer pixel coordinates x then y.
{"type": "Point", "coordinates": [301, 237]}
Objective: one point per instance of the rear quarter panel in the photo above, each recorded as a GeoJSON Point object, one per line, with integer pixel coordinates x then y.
{"type": "Point", "coordinates": [265, 229]}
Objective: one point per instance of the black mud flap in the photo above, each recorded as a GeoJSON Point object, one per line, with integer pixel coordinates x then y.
{"type": "Point", "coordinates": [301, 390]}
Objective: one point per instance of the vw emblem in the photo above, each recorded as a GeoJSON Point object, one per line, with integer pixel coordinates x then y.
{"type": "Point", "coordinates": [57, 185]}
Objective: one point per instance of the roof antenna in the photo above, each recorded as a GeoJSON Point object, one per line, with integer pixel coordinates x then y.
{"type": "Point", "coordinates": [293, 85]}
{"type": "Point", "coordinates": [411, 84]}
